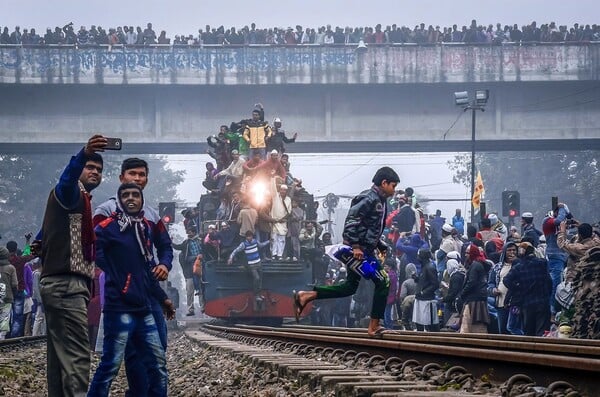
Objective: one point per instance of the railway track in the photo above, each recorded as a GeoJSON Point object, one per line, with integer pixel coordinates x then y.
{"type": "Point", "coordinates": [477, 363]}
{"type": "Point", "coordinates": [24, 341]}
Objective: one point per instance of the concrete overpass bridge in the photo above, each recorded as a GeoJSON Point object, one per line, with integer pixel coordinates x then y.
{"type": "Point", "coordinates": [385, 98]}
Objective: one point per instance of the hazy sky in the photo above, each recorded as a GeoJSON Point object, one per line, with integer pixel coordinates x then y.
{"type": "Point", "coordinates": [186, 16]}
{"type": "Point", "coordinates": [321, 173]}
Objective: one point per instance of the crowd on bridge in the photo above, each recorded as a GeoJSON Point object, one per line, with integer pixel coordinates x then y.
{"type": "Point", "coordinates": [475, 33]}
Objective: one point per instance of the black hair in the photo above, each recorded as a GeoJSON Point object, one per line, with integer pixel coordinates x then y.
{"type": "Point", "coordinates": [11, 246]}
{"type": "Point", "coordinates": [485, 222]}
{"type": "Point", "coordinates": [424, 254]}
{"type": "Point", "coordinates": [133, 162]}
{"type": "Point", "coordinates": [471, 231]}
{"type": "Point", "coordinates": [527, 239]}
{"type": "Point", "coordinates": [585, 230]}
{"type": "Point", "coordinates": [385, 174]}
{"type": "Point", "coordinates": [391, 263]}
{"type": "Point", "coordinates": [490, 247]}
{"type": "Point", "coordinates": [95, 157]}
{"type": "Point", "coordinates": [249, 233]}
{"type": "Point", "coordinates": [128, 185]}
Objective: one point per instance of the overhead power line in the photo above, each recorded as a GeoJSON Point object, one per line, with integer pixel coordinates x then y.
{"type": "Point", "coordinates": [558, 98]}
{"type": "Point", "coordinates": [453, 124]}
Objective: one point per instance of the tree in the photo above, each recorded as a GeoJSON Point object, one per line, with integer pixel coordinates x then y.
{"type": "Point", "coordinates": [573, 177]}
{"type": "Point", "coordinates": [26, 180]}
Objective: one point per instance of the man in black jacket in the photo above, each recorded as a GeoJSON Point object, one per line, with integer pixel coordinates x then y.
{"type": "Point", "coordinates": [278, 140]}
{"type": "Point", "coordinates": [362, 231]}
{"type": "Point", "coordinates": [530, 278]}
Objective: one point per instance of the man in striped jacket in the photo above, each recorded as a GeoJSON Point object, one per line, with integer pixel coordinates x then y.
{"type": "Point", "coordinates": [250, 247]}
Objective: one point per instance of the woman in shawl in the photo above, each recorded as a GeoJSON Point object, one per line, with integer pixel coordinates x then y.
{"type": "Point", "coordinates": [475, 316]}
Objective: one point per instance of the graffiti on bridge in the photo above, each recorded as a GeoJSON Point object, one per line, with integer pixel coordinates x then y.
{"type": "Point", "coordinates": [140, 60]}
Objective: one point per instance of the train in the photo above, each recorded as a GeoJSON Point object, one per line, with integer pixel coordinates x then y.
{"type": "Point", "coordinates": [229, 296]}
{"type": "Point", "coordinates": [228, 289]}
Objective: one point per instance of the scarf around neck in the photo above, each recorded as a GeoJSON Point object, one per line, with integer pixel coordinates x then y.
{"type": "Point", "coordinates": [140, 227]}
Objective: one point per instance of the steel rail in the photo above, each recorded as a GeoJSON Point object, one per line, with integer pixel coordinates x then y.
{"type": "Point", "coordinates": [544, 360]}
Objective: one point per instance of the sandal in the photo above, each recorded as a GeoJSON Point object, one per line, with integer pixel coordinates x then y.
{"type": "Point", "coordinates": [298, 307]}
{"type": "Point", "coordinates": [379, 332]}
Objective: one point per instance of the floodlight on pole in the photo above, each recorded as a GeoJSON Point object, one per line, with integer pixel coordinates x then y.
{"type": "Point", "coordinates": [481, 96]}
{"type": "Point", "coordinates": [463, 99]}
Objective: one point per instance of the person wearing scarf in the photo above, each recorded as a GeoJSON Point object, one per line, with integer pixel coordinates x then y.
{"type": "Point", "coordinates": [456, 280]}
{"type": "Point", "coordinates": [425, 310]}
{"type": "Point", "coordinates": [475, 316]}
{"type": "Point", "coordinates": [124, 253]}
{"type": "Point", "coordinates": [506, 302]}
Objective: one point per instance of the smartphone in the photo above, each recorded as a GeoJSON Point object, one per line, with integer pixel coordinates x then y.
{"type": "Point", "coordinates": [554, 202]}
{"type": "Point", "coordinates": [113, 144]}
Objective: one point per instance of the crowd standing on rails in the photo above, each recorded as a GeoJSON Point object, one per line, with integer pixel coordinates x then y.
{"type": "Point", "coordinates": [427, 275]}
{"type": "Point", "coordinates": [324, 35]}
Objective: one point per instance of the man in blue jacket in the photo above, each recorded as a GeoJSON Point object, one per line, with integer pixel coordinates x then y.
{"type": "Point", "coordinates": [135, 170]}
{"type": "Point", "coordinates": [124, 253]}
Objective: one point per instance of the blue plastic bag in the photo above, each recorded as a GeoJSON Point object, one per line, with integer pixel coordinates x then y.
{"type": "Point", "coordinates": [366, 268]}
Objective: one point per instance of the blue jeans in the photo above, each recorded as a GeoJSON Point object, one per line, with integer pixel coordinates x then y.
{"type": "Point", "coordinates": [136, 371]}
{"type": "Point", "coordinates": [262, 151]}
{"type": "Point", "coordinates": [18, 326]}
{"type": "Point", "coordinates": [387, 316]}
{"type": "Point", "coordinates": [139, 329]}
{"type": "Point", "coordinates": [340, 320]}
{"type": "Point", "coordinates": [502, 319]}
{"type": "Point", "coordinates": [556, 265]}
{"type": "Point", "coordinates": [514, 323]}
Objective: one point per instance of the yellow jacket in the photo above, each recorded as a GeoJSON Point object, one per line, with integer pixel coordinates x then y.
{"type": "Point", "coordinates": [256, 135]}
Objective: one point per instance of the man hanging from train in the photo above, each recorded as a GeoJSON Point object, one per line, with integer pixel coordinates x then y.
{"type": "Point", "coordinates": [253, 264]}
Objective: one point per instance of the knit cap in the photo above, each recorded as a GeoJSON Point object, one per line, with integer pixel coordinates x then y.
{"type": "Point", "coordinates": [4, 255]}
